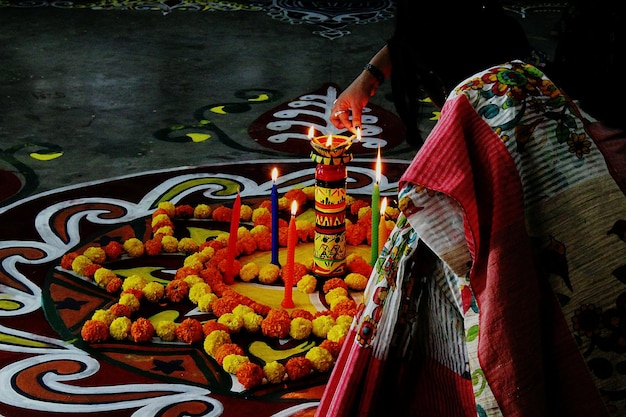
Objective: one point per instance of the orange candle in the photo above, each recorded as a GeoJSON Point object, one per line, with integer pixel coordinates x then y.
{"type": "Point", "coordinates": [383, 231]}
{"type": "Point", "coordinates": [292, 238]}
{"type": "Point", "coordinates": [229, 275]}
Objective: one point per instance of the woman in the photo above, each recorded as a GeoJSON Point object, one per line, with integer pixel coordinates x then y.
{"type": "Point", "coordinates": [501, 290]}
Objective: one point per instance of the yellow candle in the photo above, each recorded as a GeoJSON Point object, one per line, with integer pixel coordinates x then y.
{"type": "Point", "coordinates": [383, 231]}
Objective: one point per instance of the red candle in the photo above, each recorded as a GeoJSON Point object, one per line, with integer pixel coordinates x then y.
{"type": "Point", "coordinates": [229, 276]}
{"type": "Point", "coordinates": [383, 232]}
{"type": "Point", "coordinates": [292, 238]}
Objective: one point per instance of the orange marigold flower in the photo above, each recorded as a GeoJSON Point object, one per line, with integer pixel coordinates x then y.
{"type": "Point", "coordinates": [114, 285]}
{"type": "Point", "coordinates": [334, 283]}
{"type": "Point", "coordinates": [120, 310]}
{"type": "Point", "coordinates": [298, 367]}
{"type": "Point", "coordinates": [184, 271]}
{"type": "Point", "coordinates": [249, 374]}
{"type": "Point", "coordinates": [90, 269]}
{"type": "Point", "coordinates": [113, 250]}
{"type": "Point", "coordinates": [262, 216]}
{"type": "Point", "coordinates": [357, 205]}
{"type": "Point", "coordinates": [345, 307]}
{"type": "Point", "coordinates": [298, 312]}
{"type": "Point", "coordinates": [190, 331]}
{"type": "Point", "coordinates": [298, 195]}
{"type": "Point", "coordinates": [263, 240]}
{"type": "Point", "coordinates": [236, 266]}
{"type": "Point", "coordinates": [356, 234]}
{"type": "Point", "coordinates": [276, 324]}
{"type": "Point", "coordinates": [176, 290]}
{"type": "Point", "coordinates": [246, 245]}
{"type": "Point", "coordinates": [218, 256]}
{"type": "Point", "coordinates": [224, 305]}
{"type": "Point", "coordinates": [153, 246]}
{"type": "Point", "coordinates": [67, 259]}
{"type": "Point", "coordinates": [212, 325]}
{"type": "Point", "coordinates": [259, 308]}
{"type": "Point", "coordinates": [94, 331]}
{"type": "Point", "coordinates": [227, 349]}
{"type": "Point", "coordinates": [222, 214]}
{"type": "Point", "coordinates": [333, 347]}
{"type": "Point", "coordinates": [158, 212]}
{"type": "Point", "coordinates": [142, 330]}
{"type": "Point", "coordinates": [266, 204]}
{"type": "Point", "coordinates": [184, 211]}
{"type": "Point", "coordinates": [360, 266]}
{"type": "Point", "coordinates": [283, 236]}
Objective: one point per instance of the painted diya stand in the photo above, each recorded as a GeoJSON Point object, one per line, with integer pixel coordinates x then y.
{"type": "Point", "coordinates": [331, 155]}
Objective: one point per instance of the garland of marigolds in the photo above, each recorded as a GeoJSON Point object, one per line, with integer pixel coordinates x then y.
{"type": "Point", "coordinates": [199, 280]}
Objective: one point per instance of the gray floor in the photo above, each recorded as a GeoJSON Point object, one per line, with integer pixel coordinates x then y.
{"type": "Point", "coordinates": [97, 84]}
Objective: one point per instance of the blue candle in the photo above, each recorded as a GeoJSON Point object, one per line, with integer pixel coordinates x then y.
{"type": "Point", "coordinates": [275, 232]}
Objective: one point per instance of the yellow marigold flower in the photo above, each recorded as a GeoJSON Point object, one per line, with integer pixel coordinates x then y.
{"type": "Point", "coordinates": [243, 232]}
{"type": "Point", "coordinates": [134, 282]}
{"type": "Point", "coordinates": [242, 309]}
{"type": "Point", "coordinates": [350, 199]}
{"type": "Point", "coordinates": [364, 211]}
{"type": "Point", "coordinates": [104, 316]}
{"type": "Point", "coordinates": [206, 301]}
{"type": "Point", "coordinates": [79, 263]}
{"type": "Point", "coordinates": [232, 321]}
{"type": "Point", "coordinates": [170, 244]}
{"type": "Point", "coordinates": [344, 320]}
{"type": "Point", "coordinates": [320, 358]}
{"type": "Point", "coordinates": [333, 301]}
{"type": "Point", "coordinates": [193, 279]}
{"type": "Point", "coordinates": [334, 294]}
{"type": "Point", "coordinates": [392, 213]}
{"type": "Point", "coordinates": [259, 229]}
{"type": "Point", "coordinates": [268, 274]}
{"type": "Point", "coordinates": [95, 254]}
{"type": "Point", "coordinates": [356, 281]}
{"type": "Point", "coordinates": [245, 213]}
{"type": "Point", "coordinates": [274, 372]}
{"type": "Point", "coordinates": [252, 322]}
{"type": "Point", "coordinates": [284, 203]}
{"type": "Point", "coordinates": [166, 330]}
{"type": "Point", "coordinates": [165, 231]}
{"type": "Point", "coordinates": [249, 272]}
{"type": "Point", "coordinates": [336, 333]}
{"type": "Point", "coordinates": [195, 260]}
{"type": "Point", "coordinates": [169, 207]}
{"type": "Point", "coordinates": [130, 301]}
{"type": "Point", "coordinates": [103, 276]}
{"type": "Point", "coordinates": [258, 212]}
{"type": "Point", "coordinates": [160, 219]}
{"type": "Point", "coordinates": [153, 291]}
{"type": "Point", "coordinates": [198, 290]}
{"type": "Point", "coordinates": [187, 245]}
{"type": "Point", "coordinates": [321, 326]}
{"type": "Point", "coordinates": [309, 192]}
{"type": "Point", "coordinates": [119, 328]}
{"type": "Point", "coordinates": [223, 238]}
{"type": "Point", "coordinates": [214, 340]}
{"type": "Point", "coordinates": [300, 328]}
{"type": "Point", "coordinates": [233, 362]}
{"type": "Point", "coordinates": [307, 284]}
{"type": "Point", "coordinates": [202, 211]}
{"type": "Point", "coordinates": [134, 247]}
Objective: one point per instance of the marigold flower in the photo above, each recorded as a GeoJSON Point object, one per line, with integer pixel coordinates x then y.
{"type": "Point", "coordinates": [246, 245]}
{"type": "Point", "coordinates": [187, 245]}
{"type": "Point", "coordinates": [168, 207]}
{"type": "Point", "coordinates": [202, 211]}
{"type": "Point", "coordinates": [95, 254]}
{"type": "Point", "coordinates": [305, 230]}
{"type": "Point", "coordinates": [134, 247]}
{"type": "Point", "coordinates": [224, 305]}
{"type": "Point", "coordinates": [320, 358]}
{"type": "Point", "coordinates": [211, 325]}
{"type": "Point", "coordinates": [113, 250]}
{"type": "Point", "coordinates": [67, 259]}
{"type": "Point", "coordinates": [91, 269]}
{"type": "Point", "coordinates": [333, 294]}
{"type": "Point", "coordinates": [161, 219]}
{"type": "Point", "coordinates": [276, 324]}
{"type": "Point", "coordinates": [298, 195]}
{"type": "Point", "coordinates": [166, 330]}
{"type": "Point", "coordinates": [344, 320]}
{"type": "Point", "coordinates": [309, 192]}
{"type": "Point", "coordinates": [104, 316]}
{"type": "Point", "coordinates": [358, 205]}
{"type": "Point", "coordinates": [299, 312]}
{"type": "Point", "coordinates": [298, 367]}
{"type": "Point", "coordinates": [236, 266]}
{"type": "Point", "coordinates": [169, 244]}
{"type": "Point", "coordinates": [356, 281]}
{"type": "Point", "coordinates": [356, 234]}
{"type": "Point", "coordinates": [263, 240]}
{"type": "Point", "coordinates": [79, 263]}
{"type": "Point", "coordinates": [268, 274]}
{"type": "Point", "coordinates": [249, 374]}
{"type": "Point", "coordinates": [214, 340]}
{"type": "Point", "coordinates": [134, 281]}
{"type": "Point", "coordinates": [153, 246]}
{"type": "Point", "coordinates": [259, 229]}
{"type": "Point", "coordinates": [364, 215]}
{"type": "Point", "coordinates": [164, 231]}
{"type": "Point", "coordinates": [222, 214]}
{"type": "Point", "coordinates": [232, 321]}
{"type": "Point", "coordinates": [198, 290]}
{"type": "Point", "coordinates": [194, 261]}
{"type": "Point", "coordinates": [153, 291]}
{"type": "Point", "coordinates": [184, 271]}
{"type": "Point", "coordinates": [358, 264]}
{"type": "Point", "coordinates": [142, 330]}
{"type": "Point", "coordinates": [333, 347]}
{"type": "Point", "coordinates": [130, 300]}
{"type": "Point", "coordinates": [114, 285]}
{"type": "Point", "coordinates": [119, 329]}
{"type": "Point", "coordinates": [176, 290]}
{"type": "Point", "coordinates": [225, 350]}
{"type": "Point", "coordinates": [300, 328]}
{"type": "Point", "coordinates": [307, 284]}
{"type": "Point", "coordinates": [249, 272]}
{"type": "Point", "coordinates": [246, 213]}
{"type": "Point", "coordinates": [189, 331]}
{"type": "Point", "coordinates": [252, 322]}
{"type": "Point", "coordinates": [94, 331]}
{"type": "Point", "coordinates": [120, 310]}
{"type": "Point", "coordinates": [205, 302]}
{"type": "Point", "coordinates": [231, 363]}
{"type": "Point", "coordinates": [322, 324]}
{"type": "Point", "coordinates": [184, 211]}
{"type": "Point", "coordinates": [333, 283]}
{"type": "Point", "coordinates": [194, 279]}
{"type": "Point", "coordinates": [337, 333]}
{"type": "Point", "coordinates": [274, 372]}
{"type": "Point", "coordinates": [262, 216]}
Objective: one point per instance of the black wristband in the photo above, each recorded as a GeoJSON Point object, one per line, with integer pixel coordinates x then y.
{"type": "Point", "coordinates": [376, 72]}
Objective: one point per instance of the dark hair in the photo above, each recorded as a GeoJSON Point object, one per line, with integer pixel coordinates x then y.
{"type": "Point", "coordinates": [436, 45]}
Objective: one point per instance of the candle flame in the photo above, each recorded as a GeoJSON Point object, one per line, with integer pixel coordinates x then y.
{"type": "Point", "coordinates": [358, 133]}
{"type": "Point", "coordinates": [311, 134]}
{"type": "Point", "coordinates": [274, 174]}
{"type": "Point", "coordinates": [294, 207]}
{"type": "Point", "coordinates": [378, 167]}
{"type": "Point", "coordinates": [329, 141]}
{"type": "Point", "coordinates": [383, 207]}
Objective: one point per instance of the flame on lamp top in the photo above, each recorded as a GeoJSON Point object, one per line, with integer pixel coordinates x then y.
{"type": "Point", "coordinates": [274, 175]}
{"type": "Point", "coordinates": [378, 166]}
{"type": "Point", "coordinates": [311, 133]}
{"type": "Point", "coordinates": [358, 134]}
{"type": "Point", "coordinates": [329, 141]}
{"type": "Point", "coordinates": [294, 207]}
{"type": "Point", "coordinates": [383, 207]}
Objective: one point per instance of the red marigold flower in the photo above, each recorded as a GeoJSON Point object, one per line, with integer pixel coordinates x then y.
{"type": "Point", "coordinates": [263, 219]}
{"type": "Point", "coordinates": [224, 305]}
{"type": "Point", "coordinates": [209, 326]}
{"type": "Point", "coordinates": [113, 249]}
{"type": "Point", "coordinates": [176, 290]}
{"type": "Point", "coordinates": [334, 283]}
{"type": "Point", "coordinates": [114, 285]}
{"type": "Point", "coordinates": [266, 204]}
{"type": "Point", "coordinates": [283, 236]}
{"type": "Point", "coordinates": [184, 211]}
{"type": "Point", "coordinates": [91, 269]}
{"type": "Point", "coordinates": [153, 246]}
{"type": "Point", "coordinates": [249, 374]}
{"type": "Point", "coordinates": [218, 256]}
{"type": "Point", "coordinates": [190, 331]}
{"type": "Point", "coordinates": [227, 349]}
{"type": "Point", "coordinates": [263, 240]}
{"type": "Point", "coordinates": [185, 271]}
{"type": "Point", "coordinates": [67, 259]}
{"type": "Point", "coordinates": [259, 308]}
{"type": "Point", "coordinates": [360, 266]}
{"type": "Point", "coordinates": [142, 330]}
{"type": "Point", "coordinates": [333, 347]}
{"type": "Point", "coordinates": [222, 214]}
{"type": "Point", "coordinates": [305, 314]}
{"type": "Point", "coordinates": [246, 245]}
{"type": "Point", "coordinates": [356, 234]}
{"type": "Point", "coordinates": [298, 195]}
{"type": "Point", "coordinates": [347, 307]}
{"type": "Point", "coordinates": [236, 266]}
{"type": "Point", "coordinates": [298, 367]}
{"type": "Point", "coordinates": [120, 310]}
{"type": "Point", "coordinates": [357, 205]}
{"type": "Point", "coordinates": [276, 324]}
{"type": "Point", "coordinates": [159, 211]}
{"type": "Point", "coordinates": [94, 331]}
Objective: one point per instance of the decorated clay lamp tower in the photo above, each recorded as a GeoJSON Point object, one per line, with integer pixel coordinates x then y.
{"type": "Point", "coordinates": [331, 155]}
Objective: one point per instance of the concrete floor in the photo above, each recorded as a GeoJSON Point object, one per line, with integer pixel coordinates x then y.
{"type": "Point", "coordinates": [84, 92]}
